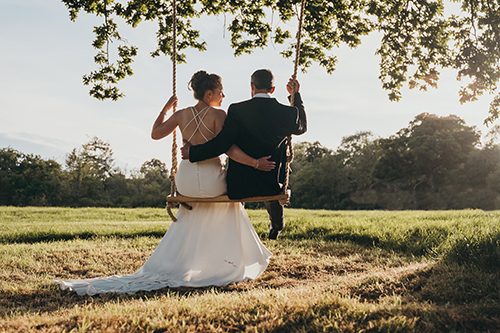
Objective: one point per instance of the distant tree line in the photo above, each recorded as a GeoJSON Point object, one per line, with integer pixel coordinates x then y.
{"type": "Point", "coordinates": [434, 163]}
{"type": "Point", "coordinates": [87, 178]}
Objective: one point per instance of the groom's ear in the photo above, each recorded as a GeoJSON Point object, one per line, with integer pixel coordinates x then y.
{"type": "Point", "coordinates": [252, 89]}
{"type": "Point", "coordinates": [272, 90]}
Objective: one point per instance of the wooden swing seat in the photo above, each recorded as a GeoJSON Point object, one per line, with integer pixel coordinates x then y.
{"type": "Point", "coordinates": [225, 198]}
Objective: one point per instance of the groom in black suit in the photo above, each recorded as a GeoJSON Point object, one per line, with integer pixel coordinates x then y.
{"type": "Point", "coordinates": [258, 126]}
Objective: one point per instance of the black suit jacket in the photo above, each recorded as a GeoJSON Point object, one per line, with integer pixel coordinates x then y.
{"type": "Point", "coordinates": [258, 126]}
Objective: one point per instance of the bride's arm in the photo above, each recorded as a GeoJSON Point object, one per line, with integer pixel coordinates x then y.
{"type": "Point", "coordinates": [162, 127]}
{"type": "Point", "coordinates": [238, 155]}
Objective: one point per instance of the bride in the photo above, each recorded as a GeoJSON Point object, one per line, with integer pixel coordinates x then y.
{"type": "Point", "coordinates": [212, 244]}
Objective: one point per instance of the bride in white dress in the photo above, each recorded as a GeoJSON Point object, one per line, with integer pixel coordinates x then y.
{"type": "Point", "coordinates": [212, 244]}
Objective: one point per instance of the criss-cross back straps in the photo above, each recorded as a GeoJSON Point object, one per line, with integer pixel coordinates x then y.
{"type": "Point", "coordinates": [198, 119]}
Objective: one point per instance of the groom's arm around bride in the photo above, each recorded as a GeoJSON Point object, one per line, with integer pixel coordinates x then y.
{"type": "Point", "coordinates": [258, 126]}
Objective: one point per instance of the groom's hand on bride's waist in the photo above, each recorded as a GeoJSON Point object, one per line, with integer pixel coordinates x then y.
{"type": "Point", "coordinates": [185, 149]}
{"type": "Point", "coordinates": [264, 164]}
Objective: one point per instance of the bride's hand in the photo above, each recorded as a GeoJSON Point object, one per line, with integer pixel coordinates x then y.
{"type": "Point", "coordinates": [172, 101]}
{"type": "Point", "coordinates": [264, 164]}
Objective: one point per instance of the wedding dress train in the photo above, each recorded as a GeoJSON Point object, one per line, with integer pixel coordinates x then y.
{"type": "Point", "coordinates": [212, 244]}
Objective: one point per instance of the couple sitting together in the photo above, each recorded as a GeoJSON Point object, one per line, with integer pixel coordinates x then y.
{"type": "Point", "coordinates": [215, 243]}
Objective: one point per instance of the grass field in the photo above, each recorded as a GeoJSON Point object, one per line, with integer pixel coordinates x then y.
{"type": "Point", "coordinates": [331, 271]}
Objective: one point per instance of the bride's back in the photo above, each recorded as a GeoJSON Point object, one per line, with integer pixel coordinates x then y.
{"type": "Point", "coordinates": [199, 126]}
{"type": "Point", "coordinates": [207, 178]}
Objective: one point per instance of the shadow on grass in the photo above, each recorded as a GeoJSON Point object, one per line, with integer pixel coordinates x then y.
{"type": "Point", "coordinates": [448, 288]}
{"type": "Point", "coordinates": [51, 298]}
{"type": "Point", "coordinates": [40, 237]}
{"type": "Point", "coordinates": [463, 299]}
{"type": "Point", "coordinates": [482, 250]}
{"type": "Point", "coordinates": [326, 234]}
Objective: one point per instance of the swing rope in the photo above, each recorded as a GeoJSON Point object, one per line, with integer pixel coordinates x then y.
{"type": "Point", "coordinates": [289, 148]}
{"type": "Point", "coordinates": [173, 170]}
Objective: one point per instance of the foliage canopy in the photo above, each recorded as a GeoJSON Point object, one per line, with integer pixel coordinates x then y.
{"type": "Point", "coordinates": [418, 37]}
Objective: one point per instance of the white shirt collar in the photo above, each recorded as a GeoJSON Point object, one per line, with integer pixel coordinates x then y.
{"type": "Point", "coordinates": [262, 95]}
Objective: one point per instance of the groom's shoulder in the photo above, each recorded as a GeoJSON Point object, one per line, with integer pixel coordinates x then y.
{"type": "Point", "coordinates": [252, 101]}
{"type": "Point", "coordinates": [241, 103]}
{"type": "Point", "coordinates": [239, 106]}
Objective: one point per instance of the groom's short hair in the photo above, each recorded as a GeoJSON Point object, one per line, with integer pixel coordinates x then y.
{"type": "Point", "coordinates": [263, 79]}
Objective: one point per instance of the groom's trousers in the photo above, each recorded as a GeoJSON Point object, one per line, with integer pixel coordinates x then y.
{"type": "Point", "coordinates": [276, 215]}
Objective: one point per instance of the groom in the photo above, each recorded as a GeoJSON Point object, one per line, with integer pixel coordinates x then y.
{"type": "Point", "coordinates": [258, 126]}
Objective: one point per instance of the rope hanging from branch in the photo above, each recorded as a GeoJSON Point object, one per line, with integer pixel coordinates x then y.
{"type": "Point", "coordinates": [289, 147]}
{"type": "Point", "coordinates": [173, 170]}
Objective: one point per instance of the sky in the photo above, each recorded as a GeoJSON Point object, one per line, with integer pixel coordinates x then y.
{"type": "Point", "coordinates": [46, 110]}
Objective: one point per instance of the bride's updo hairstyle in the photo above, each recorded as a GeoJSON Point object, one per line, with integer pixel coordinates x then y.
{"type": "Point", "coordinates": [201, 81]}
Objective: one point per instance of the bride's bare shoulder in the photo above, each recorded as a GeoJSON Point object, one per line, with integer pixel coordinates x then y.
{"type": "Point", "coordinates": [218, 111]}
{"type": "Point", "coordinates": [182, 113]}
{"type": "Point", "coordinates": [219, 114]}
{"type": "Point", "coordinates": [183, 110]}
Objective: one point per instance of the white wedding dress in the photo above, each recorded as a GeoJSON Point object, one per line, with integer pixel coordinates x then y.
{"type": "Point", "coordinates": [212, 244]}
